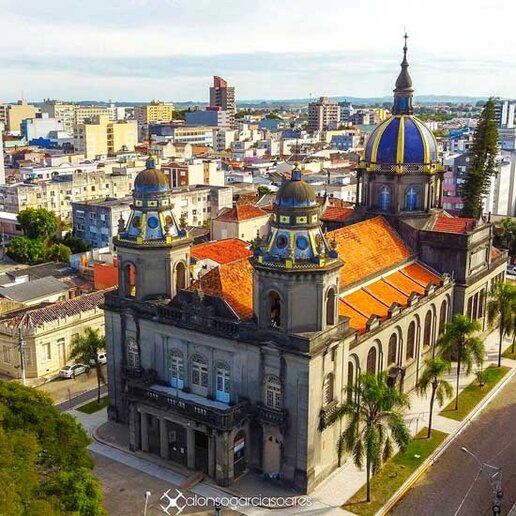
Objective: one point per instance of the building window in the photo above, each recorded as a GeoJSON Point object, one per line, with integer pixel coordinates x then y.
{"type": "Point", "coordinates": [176, 368]}
{"type": "Point", "coordinates": [133, 354]}
{"type": "Point", "coordinates": [130, 280]}
{"type": "Point", "coordinates": [328, 389]}
{"type": "Point", "coordinates": [384, 198]}
{"type": "Point", "coordinates": [351, 380]}
{"type": "Point", "coordinates": [200, 372]}
{"type": "Point", "coordinates": [410, 199]}
{"type": "Point", "coordinates": [46, 352]}
{"type": "Point", "coordinates": [427, 333]}
{"type": "Point", "coordinates": [371, 361]}
{"type": "Point", "coordinates": [7, 354]}
{"type": "Point", "coordinates": [481, 303]}
{"type": "Point", "coordinates": [27, 355]}
{"type": "Point", "coordinates": [411, 340]}
{"type": "Point", "coordinates": [443, 316]}
{"type": "Point", "coordinates": [275, 309]}
{"type": "Point", "coordinates": [223, 387]}
{"type": "Point", "coordinates": [180, 276]}
{"type": "Point", "coordinates": [330, 307]}
{"type": "Point", "coordinates": [273, 393]}
{"type": "Point", "coordinates": [392, 350]}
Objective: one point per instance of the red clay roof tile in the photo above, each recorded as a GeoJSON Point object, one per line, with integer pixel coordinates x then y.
{"type": "Point", "coordinates": [242, 212]}
{"type": "Point", "coordinates": [222, 251]}
{"type": "Point", "coordinates": [457, 225]}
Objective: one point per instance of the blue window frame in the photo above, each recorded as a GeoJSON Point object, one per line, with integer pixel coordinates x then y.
{"type": "Point", "coordinates": [385, 198]}
{"type": "Point", "coordinates": [411, 199]}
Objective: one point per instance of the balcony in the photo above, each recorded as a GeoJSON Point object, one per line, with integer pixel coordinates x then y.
{"type": "Point", "coordinates": [271, 416]}
{"type": "Point", "coordinates": [212, 413]}
{"type": "Point", "coordinates": [326, 412]}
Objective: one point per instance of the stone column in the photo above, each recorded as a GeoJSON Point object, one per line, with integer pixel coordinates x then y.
{"type": "Point", "coordinates": [163, 439]}
{"type": "Point", "coordinates": [211, 455]}
{"type": "Point", "coordinates": [144, 426]}
{"type": "Point", "coordinates": [190, 448]}
{"type": "Point", "coordinates": [134, 429]}
{"type": "Point", "coordinates": [222, 467]}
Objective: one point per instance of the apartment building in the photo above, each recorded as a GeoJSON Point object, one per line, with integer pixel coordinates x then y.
{"type": "Point", "coordinates": [323, 115]}
{"type": "Point", "coordinates": [18, 112]}
{"type": "Point", "coordinates": [194, 172]}
{"type": "Point", "coordinates": [156, 112]}
{"type": "Point", "coordinates": [222, 96]}
{"type": "Point", "coordinates": [177, 133]}
{"type": "Point", "coordinates": [63, 111]}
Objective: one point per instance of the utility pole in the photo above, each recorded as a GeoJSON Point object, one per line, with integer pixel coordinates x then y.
{"type": "Point", "coordinates": [495, 479]}
{"type": "Point", "coordinates": [21, 349]}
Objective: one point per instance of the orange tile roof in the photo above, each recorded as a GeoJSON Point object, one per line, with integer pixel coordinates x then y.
{"type": "Point", "coordinates": [458, 225]}
{"type": "Point", "coordinates": [377, 297]}
{"type": "Point", "coordinates": [241, 212]}
{"type": "Point", "coordinates": [336, 214]}
{"type": "Point", "coordinates": [368, 247]}
{"type": "Point", "coordinates": [233, 282]}
{"type": "Point", "coordinates": [222, 251]}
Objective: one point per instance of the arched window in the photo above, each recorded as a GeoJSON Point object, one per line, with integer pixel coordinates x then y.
{"type": "Point", "coordinates": [273, 393]}
{"type": "Point", "coordinates": [199, 374]}
{"type": "Point", "coordinates": [443, 316]}
{"type": "Point", "coordinates": [330, 307]}
{"type": "Point", "coordinates": [176, 369]}
{"type": "Point", "coordinates": [275, 309]}
{"type": "Point", "coordinates": [130, 280]}
{"type": "Point", "coordinates": [223, 387]}
{"type": "Point", "coordinates": [328, 389]}
{"type": "Point", "coordinates": [133, 354]}
{"type": "Point", "coordinates": [474, 314]}
{"type": "Point", "coordinates": [351, 380]}
{"type": "Point", "coordinates": [427, 333]}
{"type": "Point", "coordinates": [410, 199]}
{"type": "Point", "coordinates": [371, 361]}
{"type": "Point", "coordinates": [180, 276]}
{"type": "Point", "coordinates": [392, 350]}
{"type": "Point", "coordinates": [384, 198]}
{"type": "Point", "coordinates": [411, 341]}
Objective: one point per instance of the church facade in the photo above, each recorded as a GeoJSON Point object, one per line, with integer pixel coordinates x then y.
{"type": "Point", "coordinates": [240, 370]}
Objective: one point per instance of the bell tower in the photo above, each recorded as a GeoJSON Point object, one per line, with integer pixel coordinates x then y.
{"type": "Point", "coordinates": [153, 251]}
{"type": "Point", "coordinates": [296, 271]}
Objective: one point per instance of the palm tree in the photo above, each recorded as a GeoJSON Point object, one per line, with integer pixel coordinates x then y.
{"type": "Point", "coordinates": [86, 348]}
{"type": "Point", "coordinates": [433, 376]}
{"type": "Point", "coordinates": [459, 338]}
{"type": "Point", "coordinates": [502, 301]}
{"type": "Point", "coordinates": [375, 422]}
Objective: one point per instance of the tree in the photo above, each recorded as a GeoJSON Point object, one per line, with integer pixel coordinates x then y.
{"type": "Point", "coordinates": [38, 223]}
{"type": "Point", "coordinates": [86, 349]}
{"type": "Point", "coordinates": [24, 249]}
{"type": "Point", "coordinates": [375, 422]}
{"type": "Point", "coordinates": [76, 244]}
{"type": "Point", "coordinates": [505, 234]}
{"type": "Point", "coordinates": [263, 190]}
{"type": "Point", "coordinates": [482, 165]}
{"type": "Point", "coordinates": [458, 338]}
{"type": "Point", "coordinates": [433, 377]}
{"type": "Point", "coordinates": [58, 253]}
{"type": "Point", "coordinates": [502, 303]}
{"type": "Point", "coordinates": [44, 464]}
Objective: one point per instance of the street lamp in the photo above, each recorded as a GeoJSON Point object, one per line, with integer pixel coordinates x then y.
{"type": "Point", "coordinates": [495, 480]}
{"type": "Point", "coordinates": [147, 496]}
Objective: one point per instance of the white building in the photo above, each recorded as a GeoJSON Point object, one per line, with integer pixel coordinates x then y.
{"type": "Point", "coordinates": [501, 199]}
{"type": "Point", "coordinates": [2, 167]}
{"type": "Point", "coordinates": [40, 127]}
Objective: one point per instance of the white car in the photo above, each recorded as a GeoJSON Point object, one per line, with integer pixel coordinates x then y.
{"type": "Point", "coordinates": [101, 357]}
{"type": "Point", "coordinates": [511, 270]}
{"type": "Point", "coordinates": [71, 371]}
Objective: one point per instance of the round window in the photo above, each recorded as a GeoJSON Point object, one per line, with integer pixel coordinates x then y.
{"type": "Point", "coordinates": [153, 222]}
{"type": "Point", "coordinates": [302, 242]}
{"type": "Point", "coordinates": [281, 241]}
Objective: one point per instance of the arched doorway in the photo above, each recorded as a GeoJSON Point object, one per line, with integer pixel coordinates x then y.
{"type": "Point", "coordinates": [274, 305]}
{"type": "Point", "coordinates": [129, 280]}
{"type": "Point", "coordinates": [180, 277]}
{"type": "Point", "coordinates": [411, 341]}
{"type": "Point", "coordinates": [371, 361]}
{"type": "Point", "coordinates": [239, 462]}
{"type": "Point", "coordinates": [272, 455]}
{"type": "Point", "coordinates": [330, 307]}
{"type": "Point", "coordinates": [427, 333]}
{"type": "Point", "coordinates": [392, 350]}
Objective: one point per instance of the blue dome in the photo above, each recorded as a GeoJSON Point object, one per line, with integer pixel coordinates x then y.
{"type": "Point", "coordinates": [401, 140]}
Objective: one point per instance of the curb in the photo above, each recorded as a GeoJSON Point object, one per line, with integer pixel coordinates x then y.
{"type": "Point", "coordinates": [409, 483]}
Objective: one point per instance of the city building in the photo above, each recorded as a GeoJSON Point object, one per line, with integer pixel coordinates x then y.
{"type": "Point", "coordinates": [501, 199]}
{"type": "Point", "coordinates": [323, 115]}
{"type": "Point", "coordinates": [86, 113]}
{"type": "Point", "coordinates": [2, 156]}
{"type": "Point", "coordinates": [241, 370]}
{"type": "Point", "coordinates": [504, 112]}
{"type": "Point", "coordinates": [16, 113]}
{"type": "Point", "coordinates": [40, 127]}
{"type": "Point", "coordinates": [156, 112]}
{"type": "Point", "coordinates": [3, 114]}
{"type": "Point", "coordinates": [211, 117]}
{"type": "Point", "coordinates": [346, 111]}
{"type": "Point", "coordinates": [178, 133]}
{"type": "Point", "coordinates": [57, 194]}
{"type": "Point", "coordinates": [223, 96]}
{"type": "Point", "coordinates": [244, 221]}
{"type": "Point", "coordinates": [45, 334]}
{"type": "Point", "coordinates": [63, 111]}
{"type": "Point", "coordinates": [100, 137]}
{"type": "Point", "coordinates": [194, 172]}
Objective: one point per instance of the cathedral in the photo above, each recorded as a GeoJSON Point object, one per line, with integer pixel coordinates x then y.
{"type": "Point", "coordinates": [240, 370]}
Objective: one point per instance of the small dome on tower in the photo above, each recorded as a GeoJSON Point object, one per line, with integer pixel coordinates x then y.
{"type": "Point", "coordinates": [295, 192]}
{"type": "Point", "coordinates": [151, 179]}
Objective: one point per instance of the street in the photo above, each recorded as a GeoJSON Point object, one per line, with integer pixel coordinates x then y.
{"type": "Point", "coordinates": [451, 487]}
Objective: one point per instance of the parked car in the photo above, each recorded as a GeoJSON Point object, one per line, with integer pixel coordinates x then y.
{"type": "Point", "coordinates": [101, 357]}
{"type": "Point", "coordinates": [511, 270]}
{"type": "Point", "coordinates": [71, 371]}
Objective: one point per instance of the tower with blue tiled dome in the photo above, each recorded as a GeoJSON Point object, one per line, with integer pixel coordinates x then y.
{"type": "Point", "coordinates": [296, 270]}
{"type": "Point", "coordinates": [401, 172]}
{"type": "Point", "coordinates": [153, 250]}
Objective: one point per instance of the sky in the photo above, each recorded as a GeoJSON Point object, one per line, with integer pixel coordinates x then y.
{"type": "Point", "coordinates": [137, 50]}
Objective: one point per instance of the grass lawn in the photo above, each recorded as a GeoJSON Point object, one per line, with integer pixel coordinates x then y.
{"type": "Point", "coordinates": [473, 394]}
{"type": "Point", "coordinates": [508, 354]}
{"type": "Point", "coordinates": [93, 406]}
{"type": "Point", "coordinates": [394, 473]}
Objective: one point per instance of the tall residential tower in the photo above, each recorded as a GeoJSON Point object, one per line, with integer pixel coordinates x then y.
{"type": "Point", "coordinates": [223, 96]}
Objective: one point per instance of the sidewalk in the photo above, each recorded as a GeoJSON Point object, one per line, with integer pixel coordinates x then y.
{"type": "Point", "coordinates": [347, 480]}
